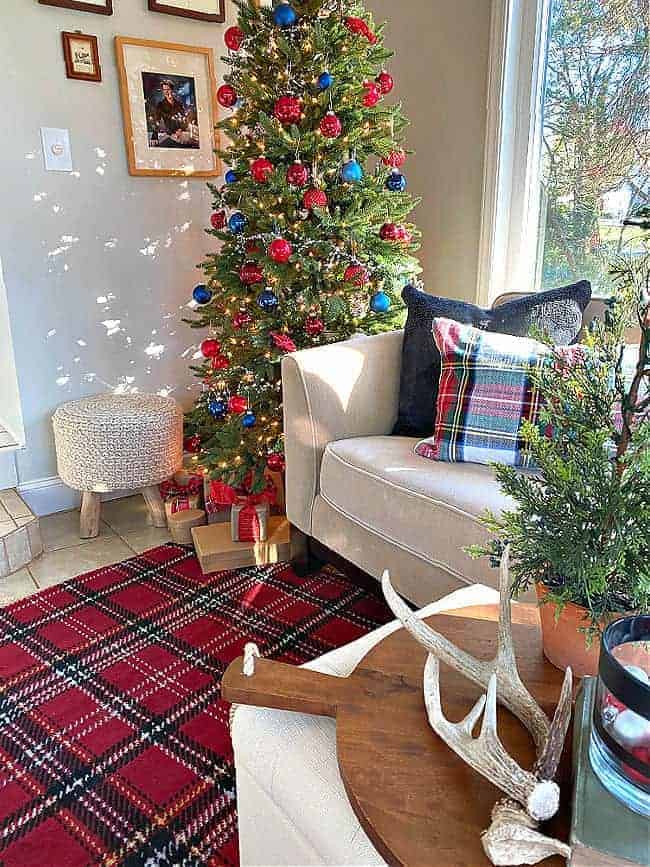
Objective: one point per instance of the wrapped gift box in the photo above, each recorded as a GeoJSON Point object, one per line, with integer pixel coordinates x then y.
{"type": "Point", "coordinates": [219, 498]}
{"type": "Point", "coordinates": [216, 550]}
{"type": "Point", "coordinates": [184, 503]}
{"type": "Point", "coordinates": [182, 493]}
{"type": "Point", "coordinates": [249, 522]}
{"type": "Point", "coordinates": [217, 510]}
{"type": "Point", "coordinates": [181, 523]}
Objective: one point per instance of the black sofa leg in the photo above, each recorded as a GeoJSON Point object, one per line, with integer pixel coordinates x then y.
{"type": "Point", "coordinates": [305, 561]}
{"type": "Point", "coordinates": [316, 555]}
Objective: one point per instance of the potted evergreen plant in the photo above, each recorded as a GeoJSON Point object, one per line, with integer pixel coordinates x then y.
{"type": "Point", "coordinates": [580, 529]}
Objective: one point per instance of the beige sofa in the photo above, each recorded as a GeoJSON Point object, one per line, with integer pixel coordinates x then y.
{"type": "Point", "coordinates": [363, 493]}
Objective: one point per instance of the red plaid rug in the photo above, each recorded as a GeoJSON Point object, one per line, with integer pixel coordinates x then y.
{"type": "Point", "coordinates": [114, 743]}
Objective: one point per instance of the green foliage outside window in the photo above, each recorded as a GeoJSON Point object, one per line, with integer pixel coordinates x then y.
{"type": "Point", "coordinates": [595, 137]}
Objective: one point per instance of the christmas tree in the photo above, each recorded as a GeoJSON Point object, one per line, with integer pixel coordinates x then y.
{"type": "Point", "coordinates": [312, 219]}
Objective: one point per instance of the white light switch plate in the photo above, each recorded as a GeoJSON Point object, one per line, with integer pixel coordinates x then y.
{"type": "Point", "coordinates": [56, 149]}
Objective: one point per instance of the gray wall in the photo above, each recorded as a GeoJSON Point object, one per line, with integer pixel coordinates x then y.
{"type": "Point", "coordinates": [440, 68]}
{"type": "Point", "coordinates": [67, 241]}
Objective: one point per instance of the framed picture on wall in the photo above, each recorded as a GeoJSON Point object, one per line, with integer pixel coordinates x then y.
{"type": "Point", "coordinates": [101, 7]}
{"type": "Point", "coordinates": [202, 10]}
{"type": "Point", "coordinates": [81, 55]}
{"type": "Point", "coordinates": [169, 108]}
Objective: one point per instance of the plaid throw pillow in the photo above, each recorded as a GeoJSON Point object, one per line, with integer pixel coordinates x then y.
{"type": "Point", "coordinates": [558, 312]}
{"type": "Point", "coordinates": [484, 394]}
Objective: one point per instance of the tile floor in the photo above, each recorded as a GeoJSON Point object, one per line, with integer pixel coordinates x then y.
{"type": "Point", "coordinates": [125, 530]}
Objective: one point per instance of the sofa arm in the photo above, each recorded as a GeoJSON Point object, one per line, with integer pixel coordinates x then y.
{"type": "Point", "coordinates": [330, 393]}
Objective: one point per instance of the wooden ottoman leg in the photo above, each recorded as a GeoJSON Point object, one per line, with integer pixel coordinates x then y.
{"type": "Point", "coordinates": [156, 506]}
{"type": "Point", "coordinates": [89, 519]}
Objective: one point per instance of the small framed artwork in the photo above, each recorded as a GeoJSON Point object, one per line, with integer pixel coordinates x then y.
{"type": "Point", "coordinates": [101, 7]}
{"type": "Point", "coordinates": [202, 10]}
{"type": "Point", "coordinates": [81, 55]}
{"type": "Point", "coordinates": [169, 108]}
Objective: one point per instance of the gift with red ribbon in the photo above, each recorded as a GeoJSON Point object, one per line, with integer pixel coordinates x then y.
{"type": "Point", "coordinates": [182, 492]}
{"type": "Point", "coordinates": [221, 497]}
{"type": "Point", "coordinates": [249, 522]}
{"type": "Point", "coordinates": [249, 515]}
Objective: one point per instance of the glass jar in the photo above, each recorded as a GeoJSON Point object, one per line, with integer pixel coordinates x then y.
{"type": "Point", "coordinates": [620, 737]}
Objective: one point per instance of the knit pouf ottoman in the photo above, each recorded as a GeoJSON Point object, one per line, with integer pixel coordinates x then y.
{"type": "Point", "coordinates": [111, 442]}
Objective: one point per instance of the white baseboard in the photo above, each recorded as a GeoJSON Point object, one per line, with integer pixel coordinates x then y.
{"type": "Point", "coordinates": [49, 495]}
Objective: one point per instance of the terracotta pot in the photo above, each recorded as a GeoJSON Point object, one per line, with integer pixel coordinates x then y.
{"type": "Point", "coordinates": [563, 643]}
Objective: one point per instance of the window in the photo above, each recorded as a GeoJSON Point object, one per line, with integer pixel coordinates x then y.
{"type": "Point", "coordinates": [568, 141]}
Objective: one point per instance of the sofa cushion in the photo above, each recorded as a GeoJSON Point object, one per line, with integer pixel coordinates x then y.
{"type": "Point", "coordinates": [558, 311]}
{"type": "Point", "coordinates": [487, 390]}
{"type": "Point", "coordinates": [429, 509]}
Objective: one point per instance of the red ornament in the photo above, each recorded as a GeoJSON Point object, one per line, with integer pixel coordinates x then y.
{"type": "Point", "coordinates": [221, 362]}
{"type": "Point", "coordinates": [385, 81]}
{"type": "Point", "coordinates": [395, 159]}
{"type": "Point", "coordinates": [252, 248]}
{"type": "Point", "coordinates": [372, 95]}
{"type": "Point", "coordinates": [394, 232]}
{"type": "Point", "coordinates": [233, 37]}
{"type": "Point", "coordinates": [297, 174]}
{"type": "Point", "coordinates": [275, 462]}
{"type": "Point", "coordinates": [355, 274]}
{"type": "Point", "coordinates": [314, 326]}
{"type": "Point", "coordinates": [192, 444]}
{"type": "Point", "coordinates": [283, 342]}
{"type": "Point", "coordinates": [287, 109]}
{"type": "Point", "coordinates": [359, 26]}
{"type": "Point", "coordinates": [389, 232]}
{"type": "Point", "coordinates": [250, 273]}
{"type": "Point", "coordinates": [226, 96]}
{"type": "Point", "coordinates": [314, 198]}
{"type": "Point", "coordinates": [237, 403]}
{"type": "Point", "coordinates": [330, 125]}
{"type": "Point", "coordinates": [218, 220]}
{"type": "Point", "coordinates": [241, 319]}
{"type": "Point", "coordinates": [210, 348]}
{"type": "Point", "coordinates": [261, 169]}
{"type": "Point", "coordinates": [280, 250]}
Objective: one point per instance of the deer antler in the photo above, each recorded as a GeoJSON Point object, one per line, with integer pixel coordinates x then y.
{"type": "Point", "coordinates": [512, 692]}
{"type": "Point", "coordinates": [486, 754]}
{"type": "Point", "coordinates": [512, 837]}
{"type": "Point", "coordinates": [549, 757]}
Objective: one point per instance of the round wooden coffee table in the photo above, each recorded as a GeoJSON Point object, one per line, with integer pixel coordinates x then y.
{"type": "Point", "coordinates": [417, 801]}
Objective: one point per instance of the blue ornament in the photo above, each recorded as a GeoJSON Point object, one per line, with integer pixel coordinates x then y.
{"type": "Point", "coordinates": [267, 300]}
{"type": "Point", "coordinates": [325, 80]}
{"type": "Point", "coordinates": [380, 302]}
{"type": "Point", "coordinates": [217, 407]}
{"type": "Point", "coordinates": [230, 177]}
{"type": "Point", "coordinates": [201, 294]}
{"type": "Point", "coordinates": [237, 223]}
{"type": "Point", "coordinates": [351, 172]}
{"type": "Point", "coordinates": [396, 182]}
{"type": "Point", "coordinates": [284, 15]}
{"type": "Point", "coordinates": [249, 418]}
